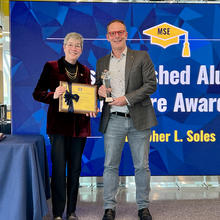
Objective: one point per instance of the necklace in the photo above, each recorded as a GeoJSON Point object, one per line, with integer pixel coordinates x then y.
{"type": "Point", "coordinates": [72, 76]}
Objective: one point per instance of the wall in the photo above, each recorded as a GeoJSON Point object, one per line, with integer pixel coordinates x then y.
{"type": "Point", "coordinates": [187, 100]}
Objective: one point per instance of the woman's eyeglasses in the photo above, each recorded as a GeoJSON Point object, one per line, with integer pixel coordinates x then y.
{"type": "Point", "coordinates": [77, 46]}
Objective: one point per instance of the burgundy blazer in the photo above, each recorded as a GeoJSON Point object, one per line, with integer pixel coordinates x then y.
{"type": "Point", "coordinates": [63, 123]}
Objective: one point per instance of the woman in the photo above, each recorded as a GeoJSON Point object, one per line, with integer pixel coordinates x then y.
{"type": "Point", "coordinates": [67, 131]}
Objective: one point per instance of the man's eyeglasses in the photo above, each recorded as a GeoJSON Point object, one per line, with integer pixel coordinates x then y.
{"type": "Point", "coordinates": [113, 33]}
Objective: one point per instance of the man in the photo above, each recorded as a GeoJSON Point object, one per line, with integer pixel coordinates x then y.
{"type": "Point", "coordinates": [130, 114]}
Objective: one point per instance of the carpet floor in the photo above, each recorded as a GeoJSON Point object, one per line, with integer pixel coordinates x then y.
{"type": "Point", "coordinates": [89, 207]}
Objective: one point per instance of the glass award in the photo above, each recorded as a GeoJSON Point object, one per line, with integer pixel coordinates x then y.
{"type": "Point", "coordinates": [106, 81]}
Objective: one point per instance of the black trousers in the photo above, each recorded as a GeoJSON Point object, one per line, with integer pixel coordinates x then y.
{"type": "Point", "coordinates": [65, 151]}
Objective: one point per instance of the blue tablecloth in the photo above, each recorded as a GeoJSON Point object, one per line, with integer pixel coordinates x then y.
{"type": "Point", "coordinates": [24, 178]}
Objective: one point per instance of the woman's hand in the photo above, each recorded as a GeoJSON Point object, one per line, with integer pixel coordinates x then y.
{"type": "Point", "coordinates": [58, 92]}
{"type": "Point", "coordinates": [92, 114]}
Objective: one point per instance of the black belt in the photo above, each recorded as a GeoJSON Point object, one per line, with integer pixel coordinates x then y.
{"type": "Point", "coordinates": [121, 114]}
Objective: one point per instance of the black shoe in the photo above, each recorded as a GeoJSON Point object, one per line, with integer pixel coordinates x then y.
{"type": "Point", "coordinates": [57, 218]}
{"type": "Point", "coordinates": [144, 214]}
{"type": "Point", "coordinates": [109, 214]}
{"type": "Point", "coordinates": [72, 216]}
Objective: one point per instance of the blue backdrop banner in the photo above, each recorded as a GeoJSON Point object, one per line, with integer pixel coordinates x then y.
{"type": "Point", "coordinates": [183, 41]}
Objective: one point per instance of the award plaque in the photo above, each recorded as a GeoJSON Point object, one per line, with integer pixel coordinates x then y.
{"type": "Point", "coordinates": [106, 81]}
{"type": "Point", "coordinates": [78, 98]}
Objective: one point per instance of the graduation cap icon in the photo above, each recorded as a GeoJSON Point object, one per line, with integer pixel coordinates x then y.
{"type": "Point", "coordinates": [166, 35]}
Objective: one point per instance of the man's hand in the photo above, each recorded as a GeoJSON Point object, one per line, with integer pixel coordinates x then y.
{"type": "Point", "coordinates": [120, 101]}
{"type": "Point", "coordinates": [103, 91]}
{"type": "Point", "coordinates": [58, 92]}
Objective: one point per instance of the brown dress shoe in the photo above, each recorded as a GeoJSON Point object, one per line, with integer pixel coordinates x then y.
{"type": "Point", "coordinates": [109, 214]}
{"type": "Point", "coordinates": [144, 214]}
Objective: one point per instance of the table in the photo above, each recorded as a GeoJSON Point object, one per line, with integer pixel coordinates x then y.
{"type": "Point", "coordinates": [24, 178]}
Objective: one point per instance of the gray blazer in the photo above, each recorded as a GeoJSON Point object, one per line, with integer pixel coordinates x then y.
{"type": "Point", "coordinates": [140, 83]}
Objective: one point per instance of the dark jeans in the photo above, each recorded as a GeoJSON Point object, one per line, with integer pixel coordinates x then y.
{"type": "Point", "coordinates": [65, 150]}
